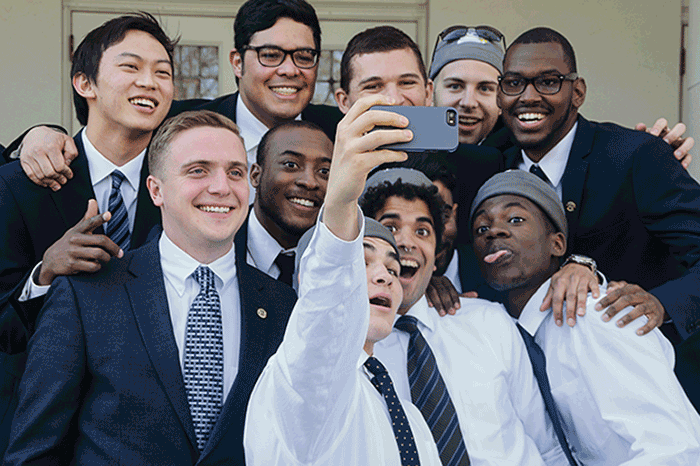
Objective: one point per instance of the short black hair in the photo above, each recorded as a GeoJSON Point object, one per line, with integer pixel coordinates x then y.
{"type": "Point", "coordinates": [544, 35]}
{"type": "Point", "coordinates": [374, 40]}
{"type": "Point", "coordinates": [264, 144]}
{"type": "Point", "coordinates": [375, 198]}
{"type": "Point", "coordinates": [258, 15]}
{"type": "Point", "coordinates": [87, 56]}
{"type": "Point", "coordinates": [434, 165]}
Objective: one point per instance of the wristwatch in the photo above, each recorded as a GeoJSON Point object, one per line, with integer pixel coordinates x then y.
{"type": "Point", "coordinates": [582, 260]}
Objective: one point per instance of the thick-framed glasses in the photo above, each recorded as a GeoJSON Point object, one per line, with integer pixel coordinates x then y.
{"type": "Point", "coordinates": [454, 33]}
{"type": "Point", "coordinates": [271, 56]}
{"type": "Point", "coordinates": [546, 84]}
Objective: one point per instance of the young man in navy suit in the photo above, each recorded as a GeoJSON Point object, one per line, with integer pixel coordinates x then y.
{"type": "Point", "coordinates": [152, 359]}
{"type": "Point", "coordinates": [630, 204]}
{"type": "Point", "coordinates": [122, 89]}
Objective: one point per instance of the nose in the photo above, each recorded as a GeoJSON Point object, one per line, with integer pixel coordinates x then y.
{"type": "Point", "coordinates": [380, 274]}
{"type": "Point", "coordinates": [307, 179]}
{"type": "Point", "coordinates": [468, 99]}
{"type": "Point", "coordinates": [530, 94]}
{"type": "Point", "coordinates": [287, 67]}
{"type": "Point", "coordinates": [393, 91]}
{"type": "Point", "coordinates": [404, 240]}
{"type": "Point", "coordinates": [498, 230]}
{"type": "Point", "coordinates": [219, 183]}
{"type": "Point", "coordinates": [145, 79]}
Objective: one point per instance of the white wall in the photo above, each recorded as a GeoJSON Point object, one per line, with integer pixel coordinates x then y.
{"type": "Point", "coordinates": [627, 51]}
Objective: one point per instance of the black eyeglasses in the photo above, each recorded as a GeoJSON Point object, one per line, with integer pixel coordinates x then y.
{"type": "Point", "coordinates": [271, 56]}
{"type": "Point", "coordinates": [546, 84]}
{"type": "Point", "coordinates": [454, 33]}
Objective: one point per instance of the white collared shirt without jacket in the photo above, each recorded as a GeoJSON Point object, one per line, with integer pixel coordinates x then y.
{"type": "Point", "coordinates": [619, 400]}
{"type": "Point", "coordinates": [484, 363]}
{"type": "Point", "coordinates": [314, 403]}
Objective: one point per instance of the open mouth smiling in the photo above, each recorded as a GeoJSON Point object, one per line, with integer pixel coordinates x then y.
{"type": "Point", "coordinates": [409, 268]}
{"type": "Point", "coordinates": [217, 209]}
{"type": "Point", "coordinates": [145, 102]}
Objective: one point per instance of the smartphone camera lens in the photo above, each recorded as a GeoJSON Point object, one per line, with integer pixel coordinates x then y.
{"type": "Point", "coordinates": [451, 117]}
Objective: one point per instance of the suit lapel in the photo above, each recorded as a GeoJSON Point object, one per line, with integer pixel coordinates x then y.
{"type": "Point", "coordinates": [512, 158]}
{"type": "Point", "coordinates": [574, 176]}
{"type": "Point", "coordinates": [72, 199]}
{"type": "Point", "coordinates": [149, 304]}
{"type": "Point", "coordinates": [147, 214]}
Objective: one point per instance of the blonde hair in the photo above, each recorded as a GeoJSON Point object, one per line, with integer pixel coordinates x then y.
{"type": "Point", "coordinates": [160, 144]}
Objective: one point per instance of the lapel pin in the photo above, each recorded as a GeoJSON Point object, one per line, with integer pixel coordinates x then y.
{"type": "Point", "coordinates": [570, 206]}
{"type": "Point", "coordinates": [262, 313]}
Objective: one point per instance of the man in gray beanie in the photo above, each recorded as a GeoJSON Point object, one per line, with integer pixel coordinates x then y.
{"type": "Point", "coordinates": [616, 393]}
{"type": "Point", "coordinates": [465, 67]}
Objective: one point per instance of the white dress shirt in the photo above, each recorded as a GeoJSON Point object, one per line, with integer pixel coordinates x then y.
{"type": "Point", "coordinates": [619, 401]}
{"type": "Point", "coordinates": [181, 288]}
{"type": "Point", "coordinates": [262, 248]}
{"type": "Point", "coordinates": [314, 403]}
{"type": "Point", "coordinates": [553, 164]}
{"type": "Point", "coordinates": [252, 130]}
{"type": "Point", "coordinates": [100, 170]}
{"type": "Point", "coordinates": [452, 272]}
{"type": "Point", "coordinates": [485, 366]}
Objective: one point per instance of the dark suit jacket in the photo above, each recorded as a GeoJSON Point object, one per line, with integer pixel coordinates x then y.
{"type": "Point", "coordinates": [103, 369]}
{"type": "Point", "coordinates": [632, 207]}
{"type": "Point", "coordinates": [325, 116]}
{"type": "Point", "coordinates": [32, 218]}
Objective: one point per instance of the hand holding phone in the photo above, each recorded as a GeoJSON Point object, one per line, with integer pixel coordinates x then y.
{"type": "Point", "coordinates": [434, 128]}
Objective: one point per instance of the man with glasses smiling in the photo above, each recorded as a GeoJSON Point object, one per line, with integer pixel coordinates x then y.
{"type": "Point", "coordinates": [639, 226]}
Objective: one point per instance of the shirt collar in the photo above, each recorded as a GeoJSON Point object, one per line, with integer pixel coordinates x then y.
{"type": "Point", "coordinates": [531, 318]}
{"type": "Point", "coordinates": [178, 266]}
{"type": "Point", "coordinates": [554, 162]}
{"type": "Point", "coordinates": [100, 168]}
{"type": "Point", "coordinates": [426, 316]}
{"type": "Point", "coordinates": [251, 128]}
{"type": "Point", "coordinates": [262, 247]}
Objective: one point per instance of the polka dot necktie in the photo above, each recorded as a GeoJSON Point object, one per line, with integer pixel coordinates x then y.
{"type": "Point", "coordinates": [430, 395]}
{"type": "Point", "coordinates": [204, 356]}
{"type": "Point", "coordinates": [118, 226]}
{"type": "Point", "coordinates": [402, 430]}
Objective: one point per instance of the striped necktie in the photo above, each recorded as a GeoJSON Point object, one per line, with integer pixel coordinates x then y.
{"type": "Point", "coordinates": [399, 422]}
{"type": "Point", "coordinates": [118, 226]}
{"type": "Point", "coordinates": [429, 394]}
{"type": "Point", "coordinates": [204, 356]}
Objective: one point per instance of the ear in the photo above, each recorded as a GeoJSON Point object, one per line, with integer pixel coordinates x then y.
{"type": "Point", "coordinates": [342, 99]}
{"type": "Point", "coordinates": [83, 86]}
{"type": "Point", "coordinates": [429, 88]}
{"type": "Point", "coordinates": [236, 62]}
{"type": "Point", "coordinates": [153, 185]}
{"type": "Point", "coordinates": [455, 206]}
{"type": "Point", "coordinates": [255, 173]}
{"type": "Point", "coordinates": [557, 244]}
{"type": "Point", "coordinates": [579, 93]}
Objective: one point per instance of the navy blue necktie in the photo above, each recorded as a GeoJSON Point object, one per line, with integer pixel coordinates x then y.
{"type": "Point", "coordinates": [429, 394]}
{"type": "Point", "coordinates": [537, 170]}
{"type": "Point", "coordinates": [539, 367]}
{"type": "Point", "coordinates": [285, 262]}
{"type": "Point", "coordinates": [118, 226]}
{"type": "Point", "coordinates": [399, 422]}
{"type": "Point", "coordinates": [204, 356]}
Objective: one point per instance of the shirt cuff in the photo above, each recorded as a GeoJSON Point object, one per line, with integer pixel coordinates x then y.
{"type": "Point", "coordinates": [31, 290]}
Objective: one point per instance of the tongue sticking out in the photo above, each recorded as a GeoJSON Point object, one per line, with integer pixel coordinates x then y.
{"type": "Point", "coordinates": [491, 258]}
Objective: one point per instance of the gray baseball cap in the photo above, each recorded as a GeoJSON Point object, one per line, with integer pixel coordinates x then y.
{"type": "Point", "coordinates": [480, 43]}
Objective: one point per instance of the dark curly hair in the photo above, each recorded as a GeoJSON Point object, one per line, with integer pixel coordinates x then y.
{"type": "Point", "coordinates": [376, 197]}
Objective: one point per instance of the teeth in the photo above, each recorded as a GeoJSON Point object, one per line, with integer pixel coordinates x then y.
{"type": "Point", "coordinates": [468, 120]}
{"type": "Point", "coordinates": [285, 90]}
{"type": "Point", "coordinates": [409, 263]}
{"type": "Point", "coordinates": [530, 116]}
{"type": "Point", "coordinates": [215, 209]}
{"type": "Point", "coordinates": [304, 202]}
{"type": "Point", "coordinates": [143, 102]}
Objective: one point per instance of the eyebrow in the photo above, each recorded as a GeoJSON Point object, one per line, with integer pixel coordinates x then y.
{"type": "Point", "coordinates": [510, 204]}
{"type": "Point", "coordinates": [391, 253]}
{"type": "Point", "coordinates": [299, 154]}
{"type": "Point", "coordinates": [541, 73]}
{"type": "Point", "coordinates": [139, 57]}
{"type": "Point", "coordinates": [379, 78]}
{"type": "Point", "coordinates": [208, 163]}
